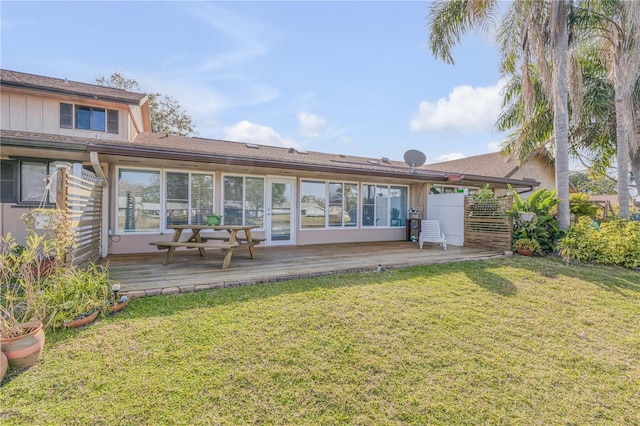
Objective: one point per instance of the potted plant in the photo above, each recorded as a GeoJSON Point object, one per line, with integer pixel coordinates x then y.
{"type": "Point", "coordinates": [414, 213]}
{"type": "Point", "coordinates": [213, 219]}
{"type": "Point", "coordinates": [75, 297]}
{"type": "Point", "coordinates": [526, 246]}
{"type": "Point", "coordinates": [21, 330]}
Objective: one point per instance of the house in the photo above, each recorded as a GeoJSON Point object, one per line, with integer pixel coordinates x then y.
{"type": "Point", "coordinates": [498, 166]}
{"type": "Point", "coordinates": [153, 180]}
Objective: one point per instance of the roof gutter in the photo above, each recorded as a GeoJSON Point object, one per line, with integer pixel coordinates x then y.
{"type": "Point", "coordinates": [505, 181]}
{"type": "Point", "coordinates": [34, 143]}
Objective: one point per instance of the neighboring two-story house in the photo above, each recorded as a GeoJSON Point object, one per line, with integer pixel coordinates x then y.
{"type": "Point", "coordinates": [155, 180]}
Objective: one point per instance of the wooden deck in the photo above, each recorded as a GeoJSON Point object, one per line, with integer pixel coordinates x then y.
{"type": "Point", "coordinates": [145, 275]}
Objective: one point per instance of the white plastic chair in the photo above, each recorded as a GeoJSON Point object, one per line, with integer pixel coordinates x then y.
{"type": "Point", "coordinates": [430, 233]}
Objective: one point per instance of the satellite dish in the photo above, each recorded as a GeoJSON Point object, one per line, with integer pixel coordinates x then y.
{"type": "Point", "coordinates": [414, 158]}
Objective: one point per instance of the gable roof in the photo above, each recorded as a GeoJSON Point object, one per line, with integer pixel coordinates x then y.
{"type": "Point", "coordinates": [491, 165]}
{"type": "Point", "coordinates": [66, 87]}
{"type": "Point", "coordinates": [160, 146]}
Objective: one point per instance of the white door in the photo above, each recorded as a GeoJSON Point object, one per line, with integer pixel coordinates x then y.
{"type": "Point", "coordinates": [280, 223]}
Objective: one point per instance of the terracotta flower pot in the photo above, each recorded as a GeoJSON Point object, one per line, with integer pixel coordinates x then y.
{"type": "Point", "coordinates": [24, 351]}
{"type": "Point", "coordinates": [523, 252]}
{"type": "Point", "coordinates": [119, 306]}
{"type": "Point", "coordinates": [82, 321]}
{"type": "Point", "coordinates": [4, 363]}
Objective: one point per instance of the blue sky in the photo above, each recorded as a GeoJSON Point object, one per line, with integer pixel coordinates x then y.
{"type": "Point", "coordinates": [353, 78]}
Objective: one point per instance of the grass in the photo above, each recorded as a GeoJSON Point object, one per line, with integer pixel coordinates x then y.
{"type": "Point", "coordinates": [507, 341]}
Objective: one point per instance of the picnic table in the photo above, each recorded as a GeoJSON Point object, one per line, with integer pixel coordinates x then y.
{"type": "Point", "coordinates": [237, 236]}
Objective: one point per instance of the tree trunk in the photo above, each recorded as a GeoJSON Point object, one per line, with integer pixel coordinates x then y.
{"type": "Point", "coordinates": [560, 108]}
{"type": "Point", "coordinates": [622, 151]}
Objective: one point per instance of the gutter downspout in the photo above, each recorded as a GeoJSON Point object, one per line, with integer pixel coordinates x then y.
{"type": "Point", "coordinates": [104, 231]}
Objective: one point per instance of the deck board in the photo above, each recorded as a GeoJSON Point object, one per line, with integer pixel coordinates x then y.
{"type": "Point", "coordinates": [144, 274]}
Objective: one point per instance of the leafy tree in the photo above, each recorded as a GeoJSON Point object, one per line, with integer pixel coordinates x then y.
{"type": "Point", "coordinates": [167, 116]}
{"type": "Point", "coordinates": [587, 183]}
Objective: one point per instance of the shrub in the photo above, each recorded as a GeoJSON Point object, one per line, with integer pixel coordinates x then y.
{"type": "Point", "coordinates": [543, 227]}
{"type": "Point", "coordinates": [580, 205]}
{"type": "Point", "coordinates": [614, 242]}
{"type": "Point", "coordinates": [527, 244]}
{"type": "Point", "coordinates": [71, 292]}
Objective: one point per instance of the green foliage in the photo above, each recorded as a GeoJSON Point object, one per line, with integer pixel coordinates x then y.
{"type": "Point", "coordinates": [527, 244]}
{"type": "Point", "coordinates": [73, 292]}
{"type": "Point", "coordinates": [614, 242]}
{"type": "Point", "coordinates": [483, 194]}
{"type": "Point", "coordinates": [34, 283]}
{"type": "Point", "coordinates": [22, 267]}
{"type": "Point", "coordinates": [167, 116]}
{"type": "Point", "coordinates": [55, 227]}
{"type": "Point", "coordinates": [543, 227]}
{"type": "Point", "coordinates": [589, 183]}
{"type": "Point", "coordinates": [579, 205]}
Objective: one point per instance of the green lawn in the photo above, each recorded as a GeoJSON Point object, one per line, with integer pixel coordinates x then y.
{"type": "Point", "coordinates": [508, 341]}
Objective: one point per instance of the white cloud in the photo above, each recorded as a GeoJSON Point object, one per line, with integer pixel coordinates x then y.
{"type": "Point", "coordinates": [467, 109]}
{"type": "Point", "coordinates": [311, 125]}
{"type": "Point", "coordinates": [246, 131]}
{"type": "Point", "coordinates": [493, 146]}
{"type": "Point", "coordinates": [450, 157]}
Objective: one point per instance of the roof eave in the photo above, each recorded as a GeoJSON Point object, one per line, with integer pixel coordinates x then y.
{"type": "Point", "coordinates": [43, 144]}
{"type": "Point", "coordinates": [253, 162]}
{"type": "Point", "coordinates": [69, 92]}
{"type": "Point", "coordinates": [501, 181]}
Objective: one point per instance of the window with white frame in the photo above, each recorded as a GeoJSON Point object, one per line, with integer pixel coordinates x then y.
{"type": "Point", "coordinates": [243, 200]}
{"type": "Point", "coordinates": [384, 205]}
{"type": "Point", "coordinates": [328, 204]}
{"type": "Point", "coordinates": [89, 118]}
{"type": "Point", "coordinates": [139, 204]}
{"type": "Point", "coordinates": [189, 198]}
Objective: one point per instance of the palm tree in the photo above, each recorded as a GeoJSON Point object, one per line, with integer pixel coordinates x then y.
{"type": "Point", "coordinates": [593, 134]}
{"type": "Point", "coordinates": [618, 41]}
{"type": "Point", "coordinates": [538, 32]}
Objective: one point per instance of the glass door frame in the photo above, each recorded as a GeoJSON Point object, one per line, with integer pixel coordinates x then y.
{"type": "Point", "coordinates": [269, 181]}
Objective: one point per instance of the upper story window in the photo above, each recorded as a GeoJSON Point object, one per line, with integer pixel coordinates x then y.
{"type": "Point", "coordinates": [88, 118]}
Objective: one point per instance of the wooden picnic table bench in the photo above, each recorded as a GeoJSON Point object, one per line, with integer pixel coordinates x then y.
{"type": "Point", "coordinates": [226, 243]}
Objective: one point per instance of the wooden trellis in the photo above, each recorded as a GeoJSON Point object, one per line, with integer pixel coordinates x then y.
{"type": "Point", "coordinates": [82, 198]}
{"type": "Point", "coordinates": [486, 223]}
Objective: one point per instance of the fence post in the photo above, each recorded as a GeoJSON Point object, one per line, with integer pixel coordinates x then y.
{"type": "Point", "coordinates": [62, 189]}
